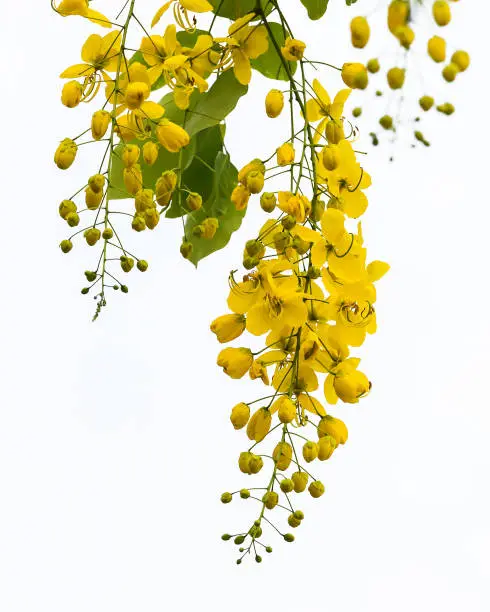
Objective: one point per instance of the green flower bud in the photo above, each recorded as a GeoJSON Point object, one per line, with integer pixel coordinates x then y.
{"type": "Point", "coordinates": [268, 202]}
{"type": "Point", "coordinates": [96, 182]}
{"type": "Point", "coordinates": [90, 276]}
{"type": "Point", "coordinates": [239, 540]}
{"type": "Point", "coordinates": [268, 549]}
{"type": "Point", "coordinates": [255, 181]}
{"type": "Point", "coordinates": [288, 222]}
{"type": "Point", "coordinates": [226, 537]}
{"type": "Point", "coordinates": [127, 263]}
{"type": "Point", "coordinates": [316, 488]}
{"type": "Point", "coordinates": [293, 521]}
{"type": "Point", "coordinates": [66, 207]}
{"type": "Point", "coordinates": [258, 558]}
{"type": "Point", "coordinates": [226, 497]}
{"type": "Point", "coordinates": [124, 288]}
{"type": "Point", "coordinates": [107, 234]}
{"type": "Point", "coordinates": [142, 265]}
{"type": "Point", "coordinates": [357, 112]}
{"type": "Point", "coordinates": [288, 537]}
{"type": "Point", "coordinates": [287, 485]}
{"type": "Point", "coordinates": [186, 250]}
{"type": "Point", "coordinates": [299, 515]}
{"type": "Point", "coordinates": [314, 272]}
{"type": "Point", "coordinates": [250, 262]}
{"type": "Point", "coordinates": [270, 499]}
{"type": "Point", "coordinates": [72, 219]}
{"type": "Point", "coordinates": [386, 122]}
{"type": "Point", "coordinates": [194, 201]}
{"type": "Point", "coordinates": [138, 223]}
{"type": "Point", "coordinates": [66, 246]}
{"type": "Point", "coordinates": [92, 236]}
{"type": "Point", "coordinates": [85, 290]}
{"type": "Point", "coordinates": [244, 493]}
{"type": "Point", "coordinates": [300, 480]}
{"type": "Point", "coordinates": [253, 247]}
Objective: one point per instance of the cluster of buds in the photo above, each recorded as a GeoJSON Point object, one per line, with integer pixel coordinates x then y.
{"type": "Point", "coordinates": [401, 22]}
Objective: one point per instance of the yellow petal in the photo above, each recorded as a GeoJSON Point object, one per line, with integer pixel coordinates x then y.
{"type": "Point", "coordinates": [329, 390]}
{"type": "Point", "coordinates": [241, 66]}
{"type": "Point", "coordinates": [152, 110]}
{"type": "Point", "coordinates": [77, 70]}
{"type": "Point", "coordinates": [91, 48]}
{"type": "Point", "coordinates": [159, 13]}
{"type": "Point", "coordinates": [321, 93]}
{"type": "Point", "coordinates": [311, 404]}
{"type": "Point", "coordinates": [376, 270]}
{"type": "Point", "coordinates": [98, 18]}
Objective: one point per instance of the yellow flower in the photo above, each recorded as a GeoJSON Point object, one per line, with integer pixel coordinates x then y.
{"type": "Point", "coordinates": [157, 49]}
{"type": "Point", "coordinates": [172, 136]}
{"type": "Point", "coordinates": [259, 424]}
{"type": "Point", "coordinates": [235, 361]}
{"type": "Point", "coordinates": [245, 42]}
{"type": "Point", "coordinates": [282, 455]}
{"type": "Point", "coordinates": [81, 7]}
{"type": "Point", "coordinates": [310, 451]}
{"type": "Point", "coordinates": [285, 154]}
{"type": "Point", "coordinates": [293, 49]}
{"type": "Point", "coordinates": [286, 409]}
{"type": "Point", "coordinates": [326, 446]}
{"type": "Point", "coordinates": [280, 306]}
{"type": "Point", "coordinates": [298, 206]}
{"type": "Point", "coordinates": [259, 370]}
{"type": "Point", "coordinates": [195, 6]}
{"type": "Point", "coordinates": [346, 382]}
{"type": "Point", "coordinates": [72, 94]}
{"type": "Point", "coordinates": [100, 123]}
{"type": "Point", "coordinates": [321, 107]}
{"type": "Point", "coordinates": [360, 31]}
{"type": "Point", "coordinates": [100, 54]}
{"type": "Point", "coordinates": [240, 197]}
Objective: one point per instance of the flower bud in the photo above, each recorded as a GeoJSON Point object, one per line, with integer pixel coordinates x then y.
{"type": "Point", "coordinates": [235, 361]}
{"type": "Point", "coordinates": [330, 426]}
{"type": "Point", "coordinates": [226, 497]}
{"type": "Point", "coordinates": [426, 102]}
{"type": "Point", "coordinates": [398, 14]}
{"type": "Point", "coordinates": [288, 537]}
{"type": "Point", "coordinates": [293, 521]}
{"type": "Point", "coordinates": [373, 66]}
{"type": "Point", "coordinates": [288, 222]}
{"type": "Point", "coordinates": [65, 154]}
{"type": "Point", "coordinates": [228, 327]}
{"type": "Point", "coordinates": [287, 485]}
{"type": "Point", "coordinates": [186, 250]}
{"type": "Point", "coordinates": [66, 207]}
{"type": "Point", "coordinates": [287, 410]}
{"type": "Point", "coordinates": [268, 201]}
{"type": "Point", "coordinates": [150, 153]}
{"type": "Point", "coordinates": [66, 246]}
{"type": "Point", "coordinates": [244, 493]}
{"type": "Point", "coordinates": [421, 138]}
{"type": "Point", "coordinates": [310, 451]}
{"type": "Point", "coordinates": [330, 157]}
{"type": "Point", "coordinates": [143, 200]}
{"type": "Point", "coordinates": [92, 236]}
{"type": "Point", "coordinates": [461, 59]}
{"type": "Point", "coordinates": [260, 423]}
{"type": "Point", "coordinates": [300, 480]}
{"type": "Point", "coordinates": [240, 196]}
{"type": "Point", "coordinates": [357, 112]}
{"type": "Point", "coordinates": [351, 386]}
{"type": "Point", "coordinates": [255, 165]}
{"type": "Point", "coordinates": [334, 131]}
{"type": "Point", "coordinates": [133, 179]}
{"type": "Point", "coordinates": [100, 123]}
{"type": "Point", "coordinates": [142, 265]}
{"type": "Point", "coordinates": [92, 198]}
{"type": "Point", "coordinates": [138, 223]}
{"type": "Point", "coordinates": [316, 488]}
{"type": "Point", "coordinates": [255, 181]}
{"type": "Point", "coordinates": [71, 94]}
{"type": "Point", "coordinates": [90, 275]}
{"type": "Point", "coordinates": [172, 136]}
{"type": "Point", "coordinates": [240, 415]}
{"type": "Point", "coordinates": [130, 155]}
{"type": "Point", "coordinates": [72, 219]}
{"type": "Point", "coordinates": [274, 103]}
{"type": "Point", "coordinates": [152, 217]}
{"type": "Point", "coordinates": [285, 154]}
{"type": "Point", "coordinates": [355, 75]}
{"type": "Point", "coordinates": [255, 464]}
{"type": "Point", "coordinates": [244, 462]}
{"type": "Point", "coordinates": [127, 263]}
{"type": "Point", "coordinates": [360, 31]}
{"type": "Point", "coordinates": [449, 72]}
{"type": "Point", "coordinates": [194, 201]}
{"type": "Point", "coordinates": [396, 77]}
{"type": "Point", "coordinates": [441, 12]}
{"type": "Point", "coordinates": [386, 122]}
{"type": "Point", "coordinates": [326, 446]}
{"type": "Point", "coordinates": [210, 227]}
{"type": "Point", "coordinates": [282, 455]}
{"type": "Point", "coordinates": [446, 108]}
{"type": "Point", "coordinates": [436, 48]}
{"type": "Point", "coordinates": [270, 499]}
{"type": "Point", "coordinates": [97, 182]}
{"type": "Point", "coordinates": [164, 187]}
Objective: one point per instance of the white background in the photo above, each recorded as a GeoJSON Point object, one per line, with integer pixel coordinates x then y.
{"type": "Point", "coordinates": [115, 442]}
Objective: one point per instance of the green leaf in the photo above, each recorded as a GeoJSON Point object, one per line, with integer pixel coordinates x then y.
{"type": "Point", "coordinates": [233, 9]}
{"type": "Point", "coordinates": [269, 63]}
{"type": "Point", "coordinates": [199, 176]}
{"type": "Point", "coordinates": [214, 105]}
{"type": "Point", "coordinates": [218, 205]}
{"type": "Point", "coordinates": [316, 8]}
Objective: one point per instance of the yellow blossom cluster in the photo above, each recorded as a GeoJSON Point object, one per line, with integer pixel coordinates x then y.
{"type": "Point", "coordinates": [403, 16]}
{"type": "Point", "coordinates": [309, 292]}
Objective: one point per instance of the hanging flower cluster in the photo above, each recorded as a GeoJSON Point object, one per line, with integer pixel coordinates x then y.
{"type": "Point", "coordinates": [146, 146]}
{"type": "Point", "coordinates": [309, 292]}
{"type": "Point", "coordinates": [403, 16]}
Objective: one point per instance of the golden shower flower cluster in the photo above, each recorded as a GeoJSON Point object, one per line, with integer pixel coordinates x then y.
{"type": "Point", "coordinates": [157, 156]}
{"type": "Point", "coordinates": [309, 292]}
{"type": "Point", "coordinates": [403, 16]}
